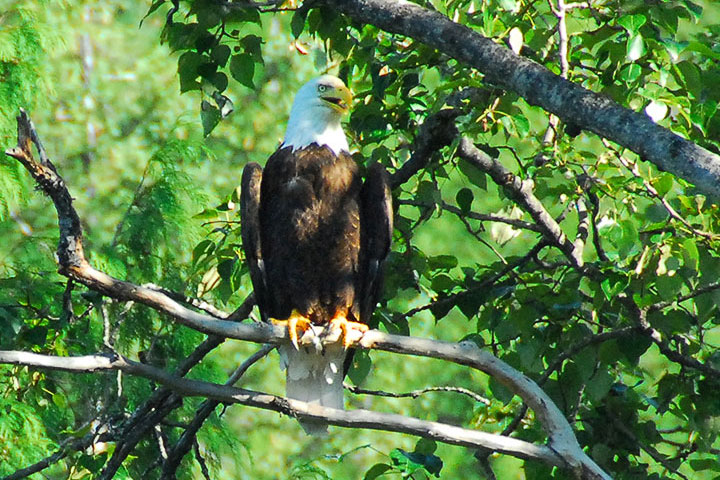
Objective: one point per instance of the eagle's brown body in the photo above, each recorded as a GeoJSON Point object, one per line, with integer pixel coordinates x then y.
{"type": "Point", "coordinates": [319, 234]}
{"type": "Point", "coordinates": [310, 233]}
{"type": "Point", "coordinates": [315, 237]}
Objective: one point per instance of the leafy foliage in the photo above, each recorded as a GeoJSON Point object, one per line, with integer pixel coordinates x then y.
{"type": "Point", "coordinates": [160, 202]}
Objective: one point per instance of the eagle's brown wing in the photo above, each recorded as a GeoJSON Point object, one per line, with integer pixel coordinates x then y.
{"type": "Point", "coordinates": [250, 232]}
{"type": "Point", "coordinates": [376, 218]}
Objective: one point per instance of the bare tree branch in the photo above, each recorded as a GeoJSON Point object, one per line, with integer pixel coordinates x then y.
{"type": "Point", "coordinates": [640, 315]}
{"type": "Point", "coordinates": [555, 454]}
{"type": "Point", "coordinates": [652, 191]}
{"type": "Point", "coordinates": [539, 86]}
{"type": "Point", "coordinates": [437, 132]}
{"type": "Point", "coordinates": [711, 287]}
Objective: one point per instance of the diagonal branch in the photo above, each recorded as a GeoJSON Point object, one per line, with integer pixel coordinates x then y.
{"type": "Point", "coordinates": [539, 86]}
{"type": "Point", "coordinates": [483, 217]}
{"type": "Point", "coordinates": [188, 438]}
{"type": "Point", "coordinates": [437, 132]}
{"type": "Point", "coordinates": [521, 191]}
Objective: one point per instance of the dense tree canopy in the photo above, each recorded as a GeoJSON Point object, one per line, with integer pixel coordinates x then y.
{"type": "Point", "coordinates": [555, 170]}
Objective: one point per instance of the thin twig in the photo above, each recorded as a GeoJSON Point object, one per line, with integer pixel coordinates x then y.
{"type": "Point", "coordinates": [483, 217]}
{"type": "Point", "coordinates": [195, 302]}
{"type": "Point", "coordinates": [484, 284]}
{"type": "Point", "coordinates": [695, 293]}
{"type": "Point", "coordinates": [649, 449]}
{"type": "Point", "coordinates": [416, 393]}
{"type": "Point", "coordinates": [663, 201]}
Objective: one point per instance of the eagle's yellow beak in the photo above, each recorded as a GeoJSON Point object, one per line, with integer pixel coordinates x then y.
{"type": "Point", "coordinates": [339, 98]}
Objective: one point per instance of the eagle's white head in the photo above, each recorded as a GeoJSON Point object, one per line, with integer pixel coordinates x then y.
{"type": "Point", "coordinates": [316, 113]}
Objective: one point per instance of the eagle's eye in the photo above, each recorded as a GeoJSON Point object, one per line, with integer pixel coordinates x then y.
{"type": "Point", "coordinates": [322, 88]}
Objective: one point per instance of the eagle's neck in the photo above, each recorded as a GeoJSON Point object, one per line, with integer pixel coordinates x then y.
{"type": "Point", "coordinates": [316, 124]}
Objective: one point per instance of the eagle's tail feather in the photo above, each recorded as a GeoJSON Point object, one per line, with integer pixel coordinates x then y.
{"type": "Point", "coordinates": [314, 377]}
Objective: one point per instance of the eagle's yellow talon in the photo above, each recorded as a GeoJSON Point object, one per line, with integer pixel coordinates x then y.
{"type": "Point", "coordinates": [296, 321]}
{"type": "Point", "coordinates": [341, 322]}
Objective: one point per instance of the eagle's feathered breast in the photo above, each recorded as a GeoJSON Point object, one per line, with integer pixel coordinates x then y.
{"type": "Point", "coordinates": [310, 233]}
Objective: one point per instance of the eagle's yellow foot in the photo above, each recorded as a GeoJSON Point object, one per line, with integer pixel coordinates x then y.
{"type": "Point", "coordinates": [341, 322]}
{"type": "Point", "coordinates": [296, 321]}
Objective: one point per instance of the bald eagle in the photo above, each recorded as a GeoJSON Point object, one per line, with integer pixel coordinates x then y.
{"type": "Point", "coordinates": [315, 238]}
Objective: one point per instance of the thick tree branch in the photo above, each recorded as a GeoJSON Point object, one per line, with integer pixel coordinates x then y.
{"type": "Point", "coordinates": [539, 86]}
{"type": "Point", "coordinates": [437, 132]}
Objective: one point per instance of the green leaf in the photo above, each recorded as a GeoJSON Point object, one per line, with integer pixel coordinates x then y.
{"type": "Point", "coordinates": [210, 117]}
{"type": "Point", "coordinates": [410, 462]}
{"type": "Point", "coordinates": [688, 75]}
{"type": "Point", "coordinates": [470, 303]}
{"type": "Point", "coordinates": [705, 464]}
{"type": "Point", "coordinates": [155, 5]}
{"type": "Point", "coordinates": [440, 308]}
{"type": "Point", "coordinates": [664, 184]}
{"type": "Point", "coordinates": [428, 193]}
{"type": "Point", "coordinates": [36, 336]}
{"type": "Point", "coordinates": [442, 262]}
{"type": "Point", "coordinates": [691, 254]}
{"type": "Point", "coordinates": [219, 81]}
{"type": "Point", "coordinates": [242, 69]}
{"type": "Point", "coordinates": [632, 23]}
{"type": "Point", "coordinates": [499, 391]}
{"type": "Point", "coordinates": [632, 347]}
{"type": "Point", "coordinates": [297, 24]}
{"type": "Point", "coordinates": [376, 470]}
{"type": "Point", "coordinates": [59, 400]}
{"type": "Point", "coordinates": [635, 48]}
{"type": "Point", "coordinates": [669, 286]}
{"type": "Point", "coordinates": [252, 44]}
{"type": "Point", "coordinates": [464, 199]}
{"type": "Point", "coordinates": [599, 385]}
{"type": "Point", "coordinates": [442, 282]}
{"type": "Point", "coordinates": [92, 463]}
{"type": "Point", "coordinates": [630, 72]}
{"type": "Point", "coordinates": [360, 366]}
{"type": "Point", "coordinates": [188, 65]}
{"type": "Point", "coordinates": [204, 248]}
{"type": "Point", "coordinates": [476, 176]}
{"type": "Point", "coordinates": [426, 446]}
{"type": "Point", "coordinates": [220, 54]}
{"type": "Point", "coordinates": [522, 125]}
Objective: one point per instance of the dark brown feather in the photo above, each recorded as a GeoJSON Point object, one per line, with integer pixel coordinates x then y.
{"type": "Point", "coordinates": [250, 232]}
